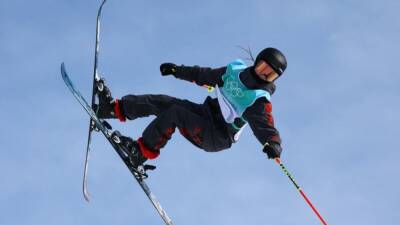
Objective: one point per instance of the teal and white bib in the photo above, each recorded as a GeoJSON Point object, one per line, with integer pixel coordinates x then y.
{"type": "Point", "coordinates": [234, 97]}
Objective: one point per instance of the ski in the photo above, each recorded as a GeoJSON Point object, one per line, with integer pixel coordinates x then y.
{"type": "Point", "coordinates": [138, 173]}
{"type": "Point", "coordinates": [92, 126]}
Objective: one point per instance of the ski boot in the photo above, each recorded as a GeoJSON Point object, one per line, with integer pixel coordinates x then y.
{"type": "Point", "coordinates": [105, 108]}
{"type": "Point", "coordinates": [132, 149]}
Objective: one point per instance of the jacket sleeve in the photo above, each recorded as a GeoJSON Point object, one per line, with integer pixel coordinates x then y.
{"type": "Point", "coordinates": [201, 75]}
{"type": "Point", "coordinates": [259, 116]}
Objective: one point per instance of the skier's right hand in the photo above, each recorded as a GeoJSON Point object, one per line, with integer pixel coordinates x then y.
{"type": "Point", "coordinates": [273, 150]}
{"type": "Point", "coordinates": [168, 68]}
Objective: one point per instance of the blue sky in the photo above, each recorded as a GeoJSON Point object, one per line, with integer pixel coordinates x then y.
{"type": "Point", "coordinates": [336, 108]}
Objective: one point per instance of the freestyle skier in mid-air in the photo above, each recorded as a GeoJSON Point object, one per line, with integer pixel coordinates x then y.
{"type": "Point", "coordinates": [243, 97]}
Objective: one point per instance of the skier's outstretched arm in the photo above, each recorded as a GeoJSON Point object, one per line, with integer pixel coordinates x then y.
{"type": "Point", "coordinates": [259, 116]}
{"type": "Point", "coordinates": [200, 75]}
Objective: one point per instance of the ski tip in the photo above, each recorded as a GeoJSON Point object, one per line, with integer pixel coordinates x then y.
{"type": "Point", "coordinates": [87, 197]}
{"type": "Point", "coordinates": [85, 191]}
{"type": "Point", "coordinates": [62, 68]}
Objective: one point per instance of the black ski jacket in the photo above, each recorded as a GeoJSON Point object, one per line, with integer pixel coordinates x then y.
{"type": "Point", "coordinates": [258, 115]}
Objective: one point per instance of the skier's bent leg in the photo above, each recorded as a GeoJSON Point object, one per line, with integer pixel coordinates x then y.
{"type": "Point", "coordinates": [160, 130]}
{"type": "Point", "coordinates": [135, 106]}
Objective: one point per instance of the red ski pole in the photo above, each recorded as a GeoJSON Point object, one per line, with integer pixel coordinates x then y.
{"type": "Point", "coordinates": [277, 160]}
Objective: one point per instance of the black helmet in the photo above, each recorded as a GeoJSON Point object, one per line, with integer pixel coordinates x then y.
{"type": "Point", "coordinates": [274, 58]}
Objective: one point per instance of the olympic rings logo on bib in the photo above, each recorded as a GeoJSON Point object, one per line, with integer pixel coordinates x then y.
{"type": "Point", "coordinates": [233, 88]}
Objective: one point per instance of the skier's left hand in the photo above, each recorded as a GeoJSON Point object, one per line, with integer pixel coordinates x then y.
{"type": "Point", "coordinates": [168, 68]}
{"type": "Point", "coordinates": [273, 150]}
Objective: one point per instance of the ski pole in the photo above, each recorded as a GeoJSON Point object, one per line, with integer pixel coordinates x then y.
{"type": "Point", "coordinates": [278, 161]}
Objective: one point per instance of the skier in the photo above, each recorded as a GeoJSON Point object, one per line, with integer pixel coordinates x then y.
{"type": "Point", "coordinates": [243, 97]}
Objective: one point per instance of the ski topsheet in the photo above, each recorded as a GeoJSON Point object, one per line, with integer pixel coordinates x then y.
{"type": "Point", "coordinates": [118, 148]}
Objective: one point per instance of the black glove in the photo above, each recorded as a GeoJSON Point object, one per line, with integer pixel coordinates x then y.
{"type": "Point", "coordinates": [168, 68]}
{"type": "Point", "coordinates": [272, 149]}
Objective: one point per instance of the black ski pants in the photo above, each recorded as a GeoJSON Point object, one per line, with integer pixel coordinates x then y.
{"type": "Point", "coordinates": [193, 121]}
